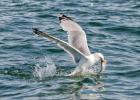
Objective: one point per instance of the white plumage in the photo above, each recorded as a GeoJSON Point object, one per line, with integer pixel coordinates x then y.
{"type": "Point", "coordinates": [77, 47]}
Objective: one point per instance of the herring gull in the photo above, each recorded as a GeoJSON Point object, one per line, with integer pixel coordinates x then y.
{"type": "Point", "coordinates": [76, 46]}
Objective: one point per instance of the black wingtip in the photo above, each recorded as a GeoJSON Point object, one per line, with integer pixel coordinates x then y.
{"type": "Point", "coordinates": [62, 16]}
{"type": "Point", "coordinates": [36, 31]}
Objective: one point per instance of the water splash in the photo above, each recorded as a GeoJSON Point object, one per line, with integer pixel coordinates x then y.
{"type": "Point", "coordinates": [44, 68]}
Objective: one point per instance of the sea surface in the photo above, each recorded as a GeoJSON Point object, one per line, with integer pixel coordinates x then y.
{"type": "Point", "coordinates": [33, 68]}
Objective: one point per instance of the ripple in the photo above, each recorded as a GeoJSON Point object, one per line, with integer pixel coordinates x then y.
{"type": "Point", "coordinates": [131, 73]}
{"type": "Point", "coordinates": [112, 28]}
{"type": "Point", "coordinates": [134, 30]}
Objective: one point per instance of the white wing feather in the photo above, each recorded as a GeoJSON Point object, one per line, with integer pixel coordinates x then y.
{"type": "Point", "coordinates": [76, 35]}
{"type": "Point", "coordinates": [76, 54]}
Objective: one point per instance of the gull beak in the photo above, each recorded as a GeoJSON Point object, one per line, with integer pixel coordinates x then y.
{"type": "Point", "coordinates": [103, 65]}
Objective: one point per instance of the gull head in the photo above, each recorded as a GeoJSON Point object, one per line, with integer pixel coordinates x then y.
{"type": "Point", "coordinates": [100, 57]}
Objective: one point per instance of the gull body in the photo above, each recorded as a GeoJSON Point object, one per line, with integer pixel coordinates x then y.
{"type": "Point", "coordinates": [76, 46]}
{"type": "Point", "coordinates": [84, 66]}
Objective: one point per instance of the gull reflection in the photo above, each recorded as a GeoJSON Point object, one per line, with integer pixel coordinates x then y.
{"type": "Point", "coordinates": [90, 91]}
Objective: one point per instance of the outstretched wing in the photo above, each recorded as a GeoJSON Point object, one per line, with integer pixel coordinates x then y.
{"type": "Point", "coordinates": [76, 35]}
{"type": "Point", "coordinates": [76, 54]}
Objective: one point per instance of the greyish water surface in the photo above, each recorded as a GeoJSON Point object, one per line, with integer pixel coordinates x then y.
{"type": "Point", "coordinates": [112, 27]}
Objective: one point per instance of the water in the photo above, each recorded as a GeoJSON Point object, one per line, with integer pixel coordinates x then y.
{"type": "Point", "coordinates": [112, 27]}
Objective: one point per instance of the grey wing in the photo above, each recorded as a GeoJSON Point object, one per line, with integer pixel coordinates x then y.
{"type": "Point", "coordinates": [76, 54]}
{"type": "Point", "coordinates": [76, 35]}
{"type": "Point", "coordinates": [78, 40]}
